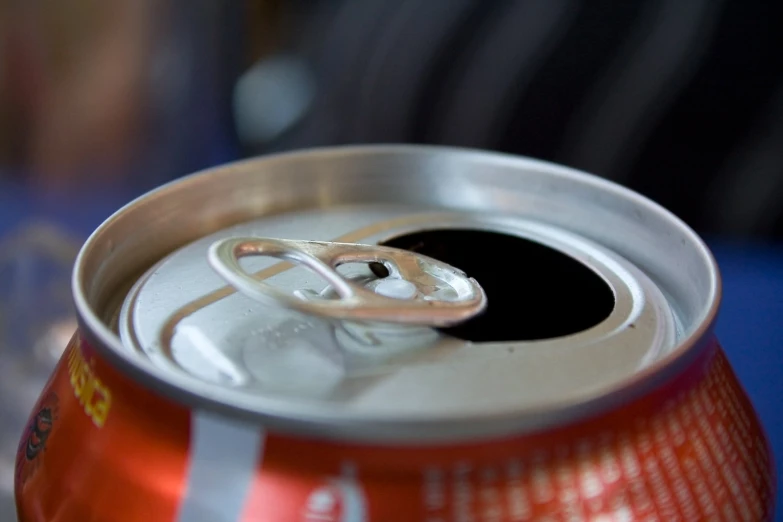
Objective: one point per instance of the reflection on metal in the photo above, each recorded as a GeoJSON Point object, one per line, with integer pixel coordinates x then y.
{"type": "Point", "coordinates": [419, 290]}
{"type": "Point", "coordinates": [36, 321]}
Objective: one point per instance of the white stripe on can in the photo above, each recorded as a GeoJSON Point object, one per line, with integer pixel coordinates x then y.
{"type": "Point", "coordinates": [354, 501]}
{"type": "Point", "coordinates": [339, 499]}
{"type": "Point", "coordinates": [224, 457]}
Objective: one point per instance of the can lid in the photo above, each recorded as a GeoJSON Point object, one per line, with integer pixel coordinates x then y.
{"type": "Point", "coordinates": [347, 332]}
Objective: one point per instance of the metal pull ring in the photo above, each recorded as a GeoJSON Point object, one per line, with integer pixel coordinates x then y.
{"type": "Point", "coordinates": [422, 275]}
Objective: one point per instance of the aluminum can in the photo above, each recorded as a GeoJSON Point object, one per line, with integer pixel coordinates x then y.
{"type": "Point", "coordinates": [387, 333]}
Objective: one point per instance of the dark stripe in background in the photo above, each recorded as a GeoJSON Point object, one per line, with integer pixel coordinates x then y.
{"type": "Point", "coordinates": [638, 87]}
{"type": "Point", "coordinates": [539, 115]}
{"type": "Point", "coordinates": [746, 195]}
{"type": "Point", "coordinates": [737, 79]}
{"type": "Point", "coordinates": [502, 61]}
{"type": "Point", "coordinates": [677, 99]}
{"type": "Point", "coordinates": [401, 66]}
{"type": "Point", "coordinates": [431, 98]}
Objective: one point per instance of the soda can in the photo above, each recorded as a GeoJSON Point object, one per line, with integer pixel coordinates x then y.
{"type": "Point", "coordinates": [386, 333]}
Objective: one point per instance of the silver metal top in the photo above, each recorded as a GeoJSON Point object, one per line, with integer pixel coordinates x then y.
{"type": "Point", "coordinates": [183, 331]}
{"type": "Point", "coordinates": [254, 350]}
{"type": "Point", "coordinates": [420, 291]}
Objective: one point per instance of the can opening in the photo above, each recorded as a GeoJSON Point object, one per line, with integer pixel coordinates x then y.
{"type": "Point", "coordinates": [533, 291]}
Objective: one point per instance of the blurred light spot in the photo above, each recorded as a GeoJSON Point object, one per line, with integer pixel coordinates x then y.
{"type": "Point", "coordinates": [271, 97]}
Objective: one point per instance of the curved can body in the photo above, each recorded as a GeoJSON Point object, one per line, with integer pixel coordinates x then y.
{"type": "Point", "coordinates": [405, 390]}
{"type": "Point", "coordinates": [100, 447]}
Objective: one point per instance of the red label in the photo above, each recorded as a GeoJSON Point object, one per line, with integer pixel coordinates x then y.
{"type": "Point", "coordinates": [694, 451]}
{"type": "Point", "coordinates": [99, 447]}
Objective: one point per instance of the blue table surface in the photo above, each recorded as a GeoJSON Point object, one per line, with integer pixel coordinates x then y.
{"type": "Point", "coordinates": [750, 325]}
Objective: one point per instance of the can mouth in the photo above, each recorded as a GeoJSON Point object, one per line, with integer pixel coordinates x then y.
{"type": "Point", "coordinates": [662, 278]}
{"type": "Point", "coordinates": [534, 292]}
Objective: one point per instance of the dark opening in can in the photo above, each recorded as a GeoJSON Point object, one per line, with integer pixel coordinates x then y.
{"type": "Point", "coordinates": [533, 291]}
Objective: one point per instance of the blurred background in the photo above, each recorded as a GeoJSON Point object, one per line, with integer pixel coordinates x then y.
{"type": "Point", "coordinates": [102, 100]}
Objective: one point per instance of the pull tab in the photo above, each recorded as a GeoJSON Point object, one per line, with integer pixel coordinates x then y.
{"type": "Point", "coordinates": [411, 294]}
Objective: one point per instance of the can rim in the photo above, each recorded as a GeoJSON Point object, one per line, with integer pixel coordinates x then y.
{"type": "Point", "coordinates": [109, 345]}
